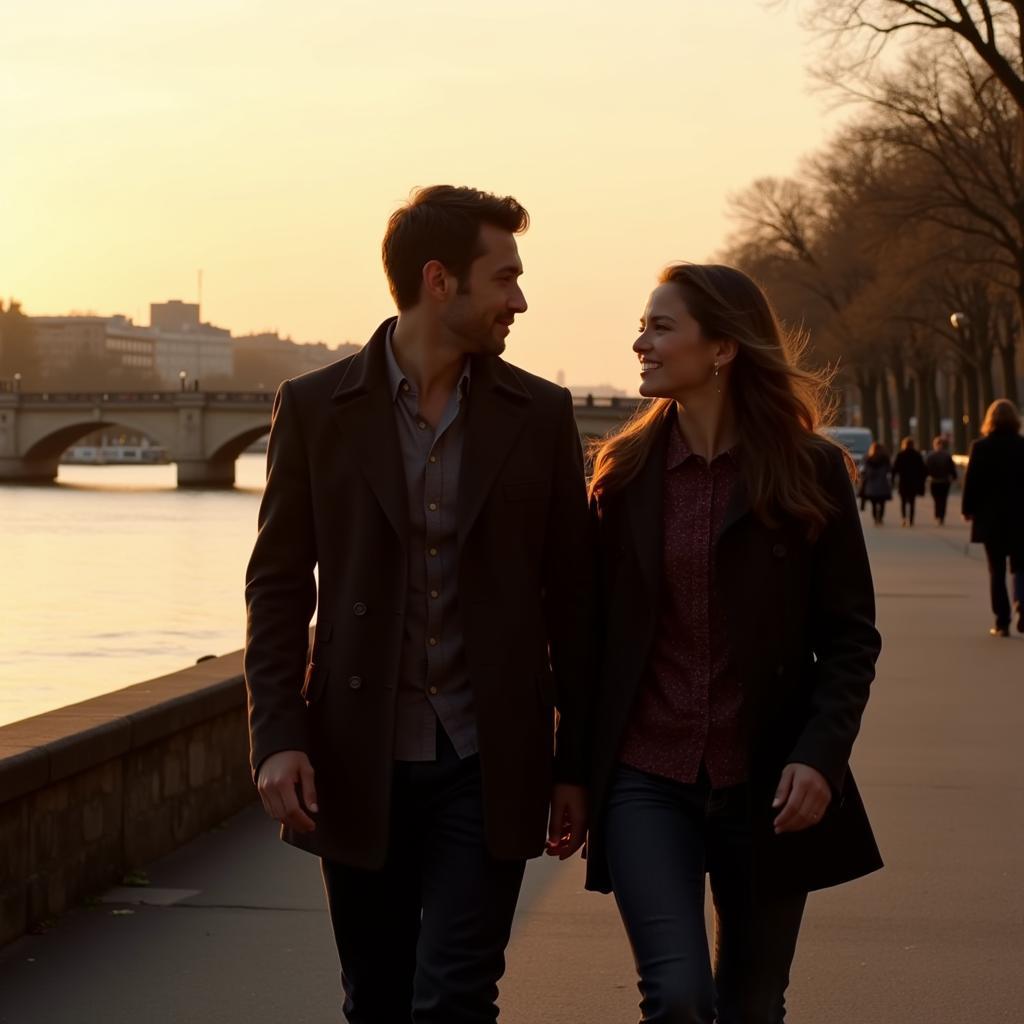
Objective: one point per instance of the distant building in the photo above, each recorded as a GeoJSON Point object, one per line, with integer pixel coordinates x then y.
{"type": "Point", "coordinates": [183, 342]}
{"type": "Point", "coordinates": [175, 316]}
{"type": "Point", "coordinates": [63, 342]}
{"type": "Point", "coordinates": [175, 340]}
{"type": "Point", "coordinates": [266, 359]}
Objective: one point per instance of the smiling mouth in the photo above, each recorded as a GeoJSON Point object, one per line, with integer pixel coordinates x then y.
{"type": "Point", "coordinates": [646, 366]}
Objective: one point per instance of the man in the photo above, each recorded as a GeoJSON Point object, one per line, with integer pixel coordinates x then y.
{"type": "Point", "coordinates": [440, 493]}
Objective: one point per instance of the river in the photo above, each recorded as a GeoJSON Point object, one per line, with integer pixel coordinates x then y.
{"type": "Point", "coordinates": [113, 576]}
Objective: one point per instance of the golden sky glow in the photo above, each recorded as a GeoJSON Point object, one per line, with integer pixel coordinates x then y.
{"type": "Point", "coordinates": [267, 143]}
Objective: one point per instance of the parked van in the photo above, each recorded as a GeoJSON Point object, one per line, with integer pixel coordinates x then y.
{"type": "Point", "coordinates": [856, 440]}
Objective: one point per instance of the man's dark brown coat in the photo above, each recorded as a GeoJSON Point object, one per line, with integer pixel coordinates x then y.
{"type": "Point", "coordinates": [336, 499]}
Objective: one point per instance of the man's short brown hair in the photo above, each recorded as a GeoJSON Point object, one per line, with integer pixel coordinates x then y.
{"type": "Point", "coordinates": [442, 222]}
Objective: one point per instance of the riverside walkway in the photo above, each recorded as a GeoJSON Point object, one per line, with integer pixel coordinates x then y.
{"type": "Point", "coordinates": [232, 927]}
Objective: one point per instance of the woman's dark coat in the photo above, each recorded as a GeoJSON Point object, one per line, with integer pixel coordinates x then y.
{"type": "Point", "coordinates": [875, 479]}
{"type": "Point", "coordinates": [802, 636]}
{"type": "Point", "coordinates": [909, 473]}
{"type": "Point", "coordinates": [994, 492]}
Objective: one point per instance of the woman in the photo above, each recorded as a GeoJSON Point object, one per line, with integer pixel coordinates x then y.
{"type": "Point", "coordinates": [941, 474]}
{"type": "Point", "coordinates": [738, 647]}
{"type": "Point", "coordinates": [993, 503]}
{"type": "Point", "coordinates": [909, 475]}
{"type": "Point", "coordinates": [874, 483]}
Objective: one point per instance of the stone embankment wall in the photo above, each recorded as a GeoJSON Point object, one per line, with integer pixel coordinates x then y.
{"type": "Point", "coordinates": [93, 790]}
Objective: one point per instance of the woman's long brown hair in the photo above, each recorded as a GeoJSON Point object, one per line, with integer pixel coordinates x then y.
{"type": "Point", "coordinates": [779, 405]}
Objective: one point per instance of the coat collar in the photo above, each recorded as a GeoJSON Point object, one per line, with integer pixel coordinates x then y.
{"type": "Point", "coordinates": [497, 407]}
{"type": "Point", "coordinates": [365, 414]}
{"type": "Point", "coordinates": [643, 497]}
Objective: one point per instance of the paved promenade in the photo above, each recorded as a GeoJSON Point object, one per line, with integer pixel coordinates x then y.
{"type": "Point", "coordinates": [233, 927]}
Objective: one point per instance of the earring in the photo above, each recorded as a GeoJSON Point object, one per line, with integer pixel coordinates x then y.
{"type": "Point", "coordinates": [718, 386]}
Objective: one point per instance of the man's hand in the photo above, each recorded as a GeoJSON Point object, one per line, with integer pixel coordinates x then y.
{"type": "Point", "coordinates": [568, 825]}
{"type": "Point", "coordinates": [280, 778]}
{"type": "Point", "coordinates": [803, 796]}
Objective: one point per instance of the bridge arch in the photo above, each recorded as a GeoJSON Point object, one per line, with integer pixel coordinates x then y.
{"type": "Point", "coordinates": [53, 444]}
{"type": "Point", "coordinates": [230, 448]}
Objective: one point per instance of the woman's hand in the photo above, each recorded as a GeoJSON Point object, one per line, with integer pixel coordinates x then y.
{"type": "Point", "coordinates": [803, 796]}
{"type": "Point", "coordinates": [567, 827]}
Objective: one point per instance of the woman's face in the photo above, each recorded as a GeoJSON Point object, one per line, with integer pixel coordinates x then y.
{"type": "Point", "coordinates": [675, 358]}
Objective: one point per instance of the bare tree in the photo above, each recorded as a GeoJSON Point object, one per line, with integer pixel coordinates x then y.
{"type": "Point", "coordinates": [860, 29]}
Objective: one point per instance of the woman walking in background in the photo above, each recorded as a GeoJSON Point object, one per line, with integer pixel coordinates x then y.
{"type": "Point", "coordinates": [909, 475]}
{"type": "Point", "coordinates": [993, 503]}
{"type": "Point", "coordinates": [941, 473]}
{"type": "Point", "coordinates": [875, 484]}
{"type": "Point", "coordinates": [737, 651]}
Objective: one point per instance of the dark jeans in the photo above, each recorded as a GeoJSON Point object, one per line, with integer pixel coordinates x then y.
{"type": "Point", "coordinates": [662, 837]}
{"type": "Point", "coordinates": [997, 558]}
{"type": "Point", "coordinates": [424, 938]}
{"type": "Point", "coordinates": [940, 495]}
{"type": "Point", "coordinates": [878, 508]}
{"type": "Point", "coordinates": [907, 502]}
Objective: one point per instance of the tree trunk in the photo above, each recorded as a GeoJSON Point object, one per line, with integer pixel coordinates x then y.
{"type": "Point", "coordinates": [867, 384]}
{"type": "Point", "coordinates": [886, 411]}
{"type": "Point", "coordinates": [935, 427]}
{"type": "Point", "coordinates": [1008, 360]}
{"type": "Point", "coordinates": [959, 405]}
{"type": "Point", "coordinates": [973, 412]}
{"type": "Point", "coordinates": [988, 390]}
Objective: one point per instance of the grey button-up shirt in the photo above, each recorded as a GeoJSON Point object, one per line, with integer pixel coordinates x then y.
{"type": "Point", "coordinates": [434, 680]}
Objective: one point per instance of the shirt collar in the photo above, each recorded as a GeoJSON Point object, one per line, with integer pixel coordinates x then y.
{"type": "Point", "coordinates": [397, 380]}
{"type": "Point", "coordinates": [679, 451]}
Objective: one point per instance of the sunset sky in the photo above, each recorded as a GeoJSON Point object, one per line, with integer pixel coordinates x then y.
{"type": "Point", "coordinates": [268, 143]}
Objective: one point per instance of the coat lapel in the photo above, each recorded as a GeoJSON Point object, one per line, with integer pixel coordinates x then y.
{"type": "Point", "coordinates": [364, 411]}
{"type": "Point", "coordinates": [739, 506]}
{"type": "Point", "coordinates": [643, 499]}
{"type": "Point", "coordinates": [497, 409]}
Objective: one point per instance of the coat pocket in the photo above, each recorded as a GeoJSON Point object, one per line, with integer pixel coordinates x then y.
{"type": "Point", "coordinates": [314, 681]}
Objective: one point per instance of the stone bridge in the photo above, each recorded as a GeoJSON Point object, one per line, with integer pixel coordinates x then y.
{"type": "Point", "coordinates": [203, 432]}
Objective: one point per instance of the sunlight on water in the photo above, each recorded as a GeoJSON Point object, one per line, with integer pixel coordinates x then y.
{"type": "Point", "coordinates": [114, 576]}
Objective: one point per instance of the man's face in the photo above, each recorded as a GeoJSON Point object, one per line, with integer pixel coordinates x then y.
{"type": "Point", "coordinates": [481, 313]}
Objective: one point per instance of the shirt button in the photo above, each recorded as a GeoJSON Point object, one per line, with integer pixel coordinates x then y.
{"type": "Point", "coordinates": [432, 551]}
{"type": "Point", "coordinates": [422, 425]}
{"type": "Point", "coordinates": [433, 458]}
{"type": "Point", "coordinates": [432, 641]}
{"type": "Point", "coordinates": [433, 691]}
{"type": "Point", "coordinates": [434, 594]}
{"type": "Point", "coordinates": [432, 506]}
{"type": "Point", "coordinates": [405, 385]}
{"type": "Point", "coordinates": [359, 608]}
{"type": "Point", "coordinates": [355, 682]}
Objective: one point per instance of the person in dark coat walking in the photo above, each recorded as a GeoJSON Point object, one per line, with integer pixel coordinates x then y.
{"type": "Point", "coordinates": [738, 646]}
{"type": "Point", "coordinates": [875, 482]}
{"type": "Point", "coordinates": [909, 475]}
{"type": "Point", "coordinates": [440, 493]}
{"type": "Point", "coordinates": [993, 503]}
{"type": "Point", "coordinates": [941, 471]}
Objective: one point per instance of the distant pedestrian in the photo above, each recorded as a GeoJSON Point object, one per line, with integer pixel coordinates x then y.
{"type": "Point", "coordinates": [993, 503]}
{"type": "Point", "coordinates": [909, 475]}
{"type": "Point", "coordinates": [875, 484]}
{"type": "Point", "coordinates": [941, 474]}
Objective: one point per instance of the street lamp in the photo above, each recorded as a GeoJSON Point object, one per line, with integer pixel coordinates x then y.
{"type": "Point", "coordinates": [17, 382]}
{"type": "Point", "coordinates": [961, 322]}
{"type": "Point", "coordinates": [183, 376]}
